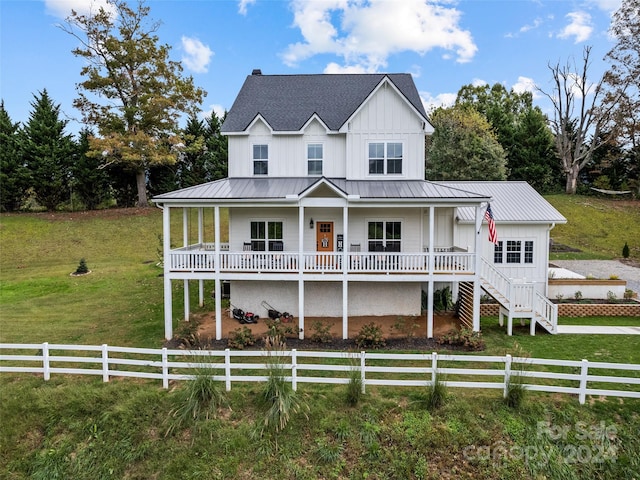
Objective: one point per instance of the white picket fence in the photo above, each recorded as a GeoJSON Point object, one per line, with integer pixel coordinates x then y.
{"type": "Point", "coordinates": [579, 378]}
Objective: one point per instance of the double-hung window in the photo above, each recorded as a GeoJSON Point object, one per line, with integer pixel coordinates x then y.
{"type": "Point", "coordinates": [314, 158]}
{"type": "Point", "coordinates": [266, 236]}
{"type": "Point", "coordinates": [513, 251]}
{"type": "Point", "coordinates": [385, 158]}
{"type": "Point", "coordinates": [384, 236]}
{"type": "Point", "coordinates": [261, 159]}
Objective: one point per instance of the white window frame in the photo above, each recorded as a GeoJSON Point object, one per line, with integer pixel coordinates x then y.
{"type": "Point", "coordinates": [261, 160]}
{"type": "Point", "coordinates": [266, 239]}
{"type": "Point", "coordinates": [386, 159]}
{"type": "Point", "coordinates": [384, 238]}
{"type": "Point", "coordinates": [315, 160]}
{"type": "Point", "coordinates": [525, 250]}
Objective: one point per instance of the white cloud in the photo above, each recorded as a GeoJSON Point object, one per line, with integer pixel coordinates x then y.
{"type": "Point", "coordinates": [441, 100]}
{"type": "Point", "coordinates": [478, 82]}
{"type": "Point", "coordinates": [536, 23]}
{"type": "Point", "coordinates": [62, 8]}
{"type": "Point", "coordinates": [196, 55]}
{"type": "Point", "coordinates": [214, 107]}
{"type": "Point", "coordinates": [579, 27]}
{"type": "Point", "coordinates": [365, 34]}
{"type": "Point", "coordinates": [243, 5]}
{"type": "Point", "coordinates": [607, 5]}
{"type": "Point", "coordinates": [335, 68]}
{"type": "Point", "coordinates": [526, 84]}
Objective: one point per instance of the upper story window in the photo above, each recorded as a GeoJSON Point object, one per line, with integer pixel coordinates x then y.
{"type": "Point", "coordinates": [315, 153]}
{"type": "Point", "coordinates": [517, 251]}
{"type": "Point", "coordinates": [385, 158]}
{"type": "Point", "coordinates": [261, 159]}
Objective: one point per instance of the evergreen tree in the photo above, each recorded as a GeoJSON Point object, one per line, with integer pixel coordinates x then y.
{"type": "Point", "coordinates": [47, 152]}
{"type": "Point", "coordinates": [14, 177]}
{"type": "Point", "coordinates": [217, 146]}
{"type": "Point", "coordinates": [90, 181]}
{"type": "Point", "coordinates": [463, 147]}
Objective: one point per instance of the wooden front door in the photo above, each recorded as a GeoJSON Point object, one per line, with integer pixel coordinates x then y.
{"type": "Point", "coordinates": [324, 236]}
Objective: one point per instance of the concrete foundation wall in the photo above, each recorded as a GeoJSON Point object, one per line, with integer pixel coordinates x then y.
{"type": "Point", "coordinates": [324, 299]}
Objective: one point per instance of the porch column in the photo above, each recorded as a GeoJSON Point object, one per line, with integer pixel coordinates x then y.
{"type": "Point", "coordinates": [345, 272]}
{"type": "Point", "coordinates": [166, 246]}
{"type": "Point", "coordinates": [200, 241]}
{"type": "Point", "coordinates": [185, 227]}
{"type": "Point", "coordinates": [432, 264]}
{"type": "Point", "coordinates": [301, 225]}
{"type": "Point", "coordinates": [187, 306]}
{"type": "Point", "coordinates": [476, 274]}
{"type": "Point", "coordinates": [218, 285]}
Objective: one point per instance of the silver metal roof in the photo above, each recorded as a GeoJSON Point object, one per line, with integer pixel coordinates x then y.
{"type": "Point", "coordinates": [513, 202]}
{"type": "Point", "coordinates": [230, 189]}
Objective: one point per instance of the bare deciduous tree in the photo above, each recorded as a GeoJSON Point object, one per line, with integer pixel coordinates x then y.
{"type": "Point", "coordinates": [580, 116]}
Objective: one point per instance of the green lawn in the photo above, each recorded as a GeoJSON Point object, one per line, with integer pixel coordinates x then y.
{"type": "Point", "coordinates": [599, 227]}
{"type": "Point", "coordinates": [75, 427]}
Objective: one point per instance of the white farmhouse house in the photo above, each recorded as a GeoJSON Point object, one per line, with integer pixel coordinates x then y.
{"type": "Point", "coordinates": [329, 213]}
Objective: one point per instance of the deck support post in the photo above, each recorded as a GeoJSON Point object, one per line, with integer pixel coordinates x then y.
{"type": "Point", "coordinates": [432, 262]}
{"type": "Point", "coordinates": [345, 308]}
{"type": "Point", "coordinates": [476, 274]}
{"type": "Point", "coordinates": [345, 272]}
{"type": "Point", "coordinates": [166, 247]}
{"type": "Point", "coordinates": [187, 306]}
{"type": "Point", "coordinates": [301, 225]}
{"type": "Point", "coordinates": [218, 283]}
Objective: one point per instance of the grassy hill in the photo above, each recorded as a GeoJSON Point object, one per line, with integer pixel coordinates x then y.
{"type": "Point", "coordinates": [599, 227]}
{"type": "Point", "coordinates": [76, 428]}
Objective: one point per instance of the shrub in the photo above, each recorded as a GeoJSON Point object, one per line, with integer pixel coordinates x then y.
{"type": "Point", "coordinates": [516, 391]}
{"type": "Point", "coordinates": [354, 387]}
{"type": "Point", "coordinates": [278, 397]}
{"type": "Point", "coordinates": [628, 294]}
{"type": "Point", "coordinates": [611, 297]}
{"type": "Point", "coordinates": [465, 337]}
{"type": "Point", "coordinates": [321, 332]}
{"type": "Point", "coordinates": [241, 338]}
{"type": "Point", "coordinates": [578, 295]}
{"type": "Point", "coordinates": [82, 268]}
{"type": "Point", "coordinates": [276, 328]}
{"type": "Point", "coordinates": [199, 400]}
{"type": "Point", "coordinates": [625, 250]}
{"type": "Point", "coordinates": [437, 394]}
{"type": "Point", "coordinates": [370, 336]}
{"type": "Point", "coordinates": [406, 327]}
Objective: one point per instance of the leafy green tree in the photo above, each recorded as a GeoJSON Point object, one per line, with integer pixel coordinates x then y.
{"type": "Point", "coordinates": [14, 177]}
{"type": "Point", "coordinates": [132, 92]}
{"type": "Point", "coordinates": [463, 147]}
{"type": "Point", "coordinates": [47, 152]}
{"type": "Point", "coordinates": [90, 181]}
{"type": "Point", "coordinates": [623, 78]}
{"type": "Point", "coordinates": [522, 130]}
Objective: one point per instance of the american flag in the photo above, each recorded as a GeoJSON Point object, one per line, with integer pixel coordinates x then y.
{"type": "Point", "coordinates": [488, 215]}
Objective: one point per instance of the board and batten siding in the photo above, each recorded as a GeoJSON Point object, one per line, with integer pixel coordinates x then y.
{"type": "Point", "coordinates": [287, 153]}
{"type": "Point", "coordinates": [385, 116]}
{"type": "Point", "coordinates": [536, 272]}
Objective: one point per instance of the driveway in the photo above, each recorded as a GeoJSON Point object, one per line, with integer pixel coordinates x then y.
{"type": "Point", "coordinates": [604, 269]}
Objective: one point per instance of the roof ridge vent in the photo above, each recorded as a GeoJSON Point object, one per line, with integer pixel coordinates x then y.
{"type": "Point", "coordinates": [256, 71]}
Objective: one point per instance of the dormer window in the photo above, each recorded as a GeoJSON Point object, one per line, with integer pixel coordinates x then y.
{"type": "Point", "coordinates": [261, 159]}
{"type": "Point", "coordinates": [314, 159]}
{"type": "Point", "coordinates": [385, 158]}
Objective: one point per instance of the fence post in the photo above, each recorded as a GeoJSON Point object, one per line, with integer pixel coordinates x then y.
{"type": "Point", "coordinates": [45, 361]}
{"type": "Point", "coordinates": [294, 380]}
{"type": "Point", "coordinates": [105, 363]}
{"type": "Point", "coordinates": [584, 371]}
{"type": "Point", "coordinates": [227, 369]}
{"type": "Point", "coordinates": [434, 367]}
{"type": "Point", "coordinates": [165, 369]}
{"type": "Point", "coordinates": [507, 374]}
{"type": "Point", "coordinates": [363, 356]}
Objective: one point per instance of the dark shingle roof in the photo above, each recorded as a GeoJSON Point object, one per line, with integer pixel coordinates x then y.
{"type": "Point", "coordinates": [287, 102]}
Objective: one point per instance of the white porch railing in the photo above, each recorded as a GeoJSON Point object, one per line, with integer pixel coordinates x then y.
{"type": "Point", "coordinates": [579, 378]}
{"type": "Point", "coordinates": [191, 259]}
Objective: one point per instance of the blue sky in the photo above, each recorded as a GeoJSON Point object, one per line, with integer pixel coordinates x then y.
{"type": "Point", "coordinates": [444, 44]}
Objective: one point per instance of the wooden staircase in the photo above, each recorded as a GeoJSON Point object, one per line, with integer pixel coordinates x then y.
{"type": "Point", "coordinates": [518, 300]}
